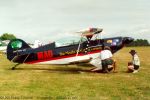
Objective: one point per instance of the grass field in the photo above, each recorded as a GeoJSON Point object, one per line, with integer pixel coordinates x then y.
{"type": "Point", "coordinates": [47, 82]}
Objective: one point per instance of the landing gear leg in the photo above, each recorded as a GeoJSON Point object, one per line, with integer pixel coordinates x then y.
{"type": "Point", "coordinates": [13, 68]}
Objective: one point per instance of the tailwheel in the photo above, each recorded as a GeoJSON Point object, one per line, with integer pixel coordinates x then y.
{"type": "Point", "coordinates": [13, 68]}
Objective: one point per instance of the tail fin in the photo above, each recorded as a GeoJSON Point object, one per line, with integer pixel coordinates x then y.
{"type": "Point", "coordinates": [14, 45]}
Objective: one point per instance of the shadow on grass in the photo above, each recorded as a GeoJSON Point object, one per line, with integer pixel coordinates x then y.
{"type": "Point", "coordinates": [78, 69]}
{"type": "Point", "coordinates": [84, 65]}
{"type": "Point", "coordinates": [125, 71]}
{"type": "Point", "coordinates": [58, 70]}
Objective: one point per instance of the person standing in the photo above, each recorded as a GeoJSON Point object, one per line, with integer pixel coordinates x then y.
{"type": "Point", "coordinates": [135, 64]}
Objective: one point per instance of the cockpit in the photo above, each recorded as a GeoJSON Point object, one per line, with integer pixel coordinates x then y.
{"type": "Point", "coordinates": [69, 41]}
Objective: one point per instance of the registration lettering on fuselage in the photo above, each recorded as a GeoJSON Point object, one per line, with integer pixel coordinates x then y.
{"type": "Point", "coordinates": [44, 55]}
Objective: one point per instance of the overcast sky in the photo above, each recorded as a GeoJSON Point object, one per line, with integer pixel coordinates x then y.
{"type": "Point", "coordinates": [48, 20]}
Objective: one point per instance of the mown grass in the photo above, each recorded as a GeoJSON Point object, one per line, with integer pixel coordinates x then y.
{"type": "Point", "coordinates": [47, 82]}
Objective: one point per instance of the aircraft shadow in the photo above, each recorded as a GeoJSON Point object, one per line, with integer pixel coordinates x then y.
{"type": "Point", "coordinates": [60, 70]}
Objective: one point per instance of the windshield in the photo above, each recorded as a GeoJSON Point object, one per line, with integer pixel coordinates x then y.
{"type": "Point", "coordinates": [69, 41]}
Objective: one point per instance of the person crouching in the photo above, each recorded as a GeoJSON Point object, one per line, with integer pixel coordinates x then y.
{"type": "Point", "coordinates": [106, 58]}
{"type": "Point", "coordinates": [135, 64]}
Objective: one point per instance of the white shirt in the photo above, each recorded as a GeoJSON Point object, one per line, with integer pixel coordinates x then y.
{"type": "Point", "coordinates": [136, 60]}
{"type": "Point", "coordinates": [105, 54]}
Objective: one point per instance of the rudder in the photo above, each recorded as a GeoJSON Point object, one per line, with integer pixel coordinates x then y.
{"type": "Point", "coordinates": [15, 45]}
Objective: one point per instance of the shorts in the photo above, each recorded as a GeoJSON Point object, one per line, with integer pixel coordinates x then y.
{"type": "Point", "coordinates": [106, 62]}
{"type": "Point", "coordinates": [136, 67]}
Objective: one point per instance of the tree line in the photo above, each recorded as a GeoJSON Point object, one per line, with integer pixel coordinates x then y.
{"type": "Point", "coordinates": [7, 36]}
{"type": "Point", "coordinates": [139, 42]}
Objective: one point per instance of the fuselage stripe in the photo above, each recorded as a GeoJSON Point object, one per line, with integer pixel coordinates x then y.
{"type": "Point", "coordinates": [62, 57]}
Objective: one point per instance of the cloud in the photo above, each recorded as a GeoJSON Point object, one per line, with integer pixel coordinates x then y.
{"type": "Point", "coordinates": [137, 31]}
{"type": "Point", "coordinates": [51, 19]}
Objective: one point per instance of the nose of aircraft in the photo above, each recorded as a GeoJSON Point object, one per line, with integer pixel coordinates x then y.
{"type": "Point", "coordinates": [128, 40]}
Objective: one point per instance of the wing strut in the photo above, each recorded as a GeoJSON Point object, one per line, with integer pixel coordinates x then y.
{"type": "Point", "coordinates": [13, 68]}
{"type": "Point", "coordinates": [89, 34]}
{"type": "Point", "coordinates": [79, 46]}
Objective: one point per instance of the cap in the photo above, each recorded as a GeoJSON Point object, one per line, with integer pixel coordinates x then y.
{"type": "Point", "coordinates": [107, 48]}
{"type": "Point", "coordinates": [132, 51]}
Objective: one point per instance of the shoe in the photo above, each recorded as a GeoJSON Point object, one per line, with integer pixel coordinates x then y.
{"type": "Point", "coordinates": [135, 71]}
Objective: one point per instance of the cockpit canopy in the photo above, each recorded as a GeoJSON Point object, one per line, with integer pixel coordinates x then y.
{"type": "Point", "coordinates": [69, 41]}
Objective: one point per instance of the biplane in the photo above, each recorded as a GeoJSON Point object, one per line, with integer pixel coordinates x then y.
{"type": "Point", "coordinates": [87, 48]}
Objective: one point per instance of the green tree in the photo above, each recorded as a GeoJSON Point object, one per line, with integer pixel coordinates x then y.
{"type": "Point", "coordinates": [139, 42]}
{"type": "Point", "coordinates": [7, 36]}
